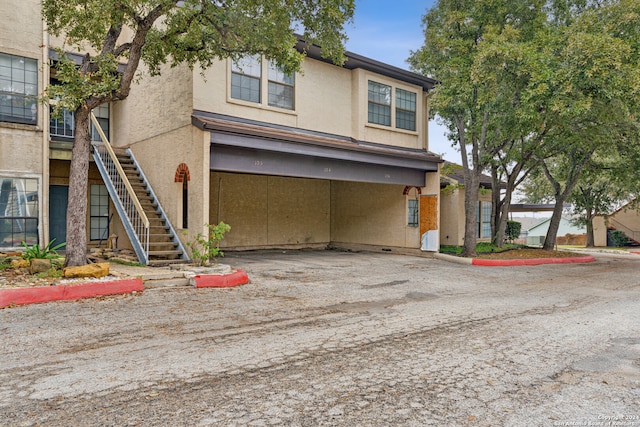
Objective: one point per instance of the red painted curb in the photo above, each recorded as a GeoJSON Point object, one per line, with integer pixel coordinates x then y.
{"type": "Point", "coordinates": [531, 261]}
{"type": "Point", "coordinates": [221, 280]}
{"type": "Point", "coordinates": [22, 296]}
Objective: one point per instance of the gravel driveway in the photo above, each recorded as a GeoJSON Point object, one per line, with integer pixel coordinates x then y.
{"type": "Point", "coordinates": [337, 338]}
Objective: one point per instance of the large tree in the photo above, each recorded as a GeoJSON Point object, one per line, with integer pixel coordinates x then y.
{"type": "Point", "coordinates": [459, 37]}
{"type": "Point", "coordinates": [115, 36]}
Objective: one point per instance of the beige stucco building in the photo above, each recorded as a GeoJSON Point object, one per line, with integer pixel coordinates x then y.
{"type": "Point", "coordinates": [625, 219]}
{"type": "Point", "coordinates": [335, 155]}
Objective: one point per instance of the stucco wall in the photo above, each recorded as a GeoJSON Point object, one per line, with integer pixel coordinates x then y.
{"type": "Point", "coordinates": [156, 105]}
{"type": "Point", "coordinates": [328, 99]}
{"type": "Point", "coordinates": [21, 146]}
{"type": "Point", "coordinates": [373, 214]}
{"type": "Point", "coordinates": [452, 216]}
{"type": "Point", "coordinates": [626, 219]}
{"type": "Point", "coordinates": [270, 210]}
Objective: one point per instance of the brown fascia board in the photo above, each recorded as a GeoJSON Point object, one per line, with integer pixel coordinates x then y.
{"type": "Point", "coordinates": [233, 125]}
{"type": "Point", "coordinates": [355, 61]}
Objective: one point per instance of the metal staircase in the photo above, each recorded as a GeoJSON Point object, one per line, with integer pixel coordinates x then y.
{"type": "Point", "coordinates": [151, 234]}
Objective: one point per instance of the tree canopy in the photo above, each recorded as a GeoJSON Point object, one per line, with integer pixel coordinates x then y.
{"type": "Point", "coordinates": [522, 82]}
{"type": "Point", "coordinates": [115, 36]}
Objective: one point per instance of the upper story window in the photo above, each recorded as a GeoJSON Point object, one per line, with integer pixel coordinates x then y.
{"type": "Point", "coordinates": [281, 88]}
{"type": "Point", "coordinates": [63, 126]}
{"type": "Point", "coordinates": [379, 104]}
{"type": "Point", "coordinates": [247, 83]}
{"type": "Point", "coordinates": [18, 89]}
{"type": "Point", "coordinates": [405, 109]}
{"type": "Point", "coordinates": [246, 74]}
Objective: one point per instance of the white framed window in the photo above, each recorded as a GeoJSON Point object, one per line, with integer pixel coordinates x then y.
{"type": "Point", "coordinates": [281, 88]}
{"type": "Point", "coordinates": [399, 111]}
{"type": "Point", "coordinates": [246, 76]}
{"type": "Point", "coordinates": [379, 105]}
{"type": "Point", "coordinates": [405, 109]}
{"type": "Point", "coordinates": [18, 89]}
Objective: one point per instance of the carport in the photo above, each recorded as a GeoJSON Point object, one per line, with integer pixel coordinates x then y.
{"type": "Point", "coordinates": [286, 187]}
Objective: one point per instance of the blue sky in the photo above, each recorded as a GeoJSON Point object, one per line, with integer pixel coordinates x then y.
{"type": "Point", "coordinates": [388, 31]}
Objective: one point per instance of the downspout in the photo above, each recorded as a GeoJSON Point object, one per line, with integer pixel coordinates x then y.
{"type": "Point", "coordinates": [43, 233]}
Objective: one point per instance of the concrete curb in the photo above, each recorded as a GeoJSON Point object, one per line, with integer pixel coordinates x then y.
{"type": "Point", "coordinates": [23, 296]}
{"type": "Point", "coordinates": [453, 258]}
{"type": "Point", "coordinates": [239, 277]}
{"type": "Point", "coordinates": [511, 262]}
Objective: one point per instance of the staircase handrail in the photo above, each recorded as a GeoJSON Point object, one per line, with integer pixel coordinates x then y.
{"type": "Point", "coordinates": [123, 176]}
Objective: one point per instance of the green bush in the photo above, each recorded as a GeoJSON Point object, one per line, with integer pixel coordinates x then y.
{"type": "Point", "coordinates": [203, 249]}
{"type": "Point", "coordinates": [512, 232]}
{"type": "Point", "coordinates": [618, 238]}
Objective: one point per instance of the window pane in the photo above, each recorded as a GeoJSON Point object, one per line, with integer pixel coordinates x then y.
{"type": "Point", "coordinates": [99, 212]}
{"type": "Point", "coordinates": [18, 211]}
{"type": "Point", "coordinates": [245, 88]}
{"type": "Point", "coordinates": [18, 89]}
{"type": "Point", "coordinates": [486, 220]}
{"type": "Point", "coordinates": [281, 96]}
{"type": "Point", "coordinates": [405, 109]}
{"type": "Point", "coordinates": [379, 103]}
{"type": "Point", "coordinates": [277, 75]}
{"type": "Point", "coordinates": [379, 114]}
{"type": "Point", "coordinates": [248, 66]}
{"type": "Point", "coordinates": [413, 213]}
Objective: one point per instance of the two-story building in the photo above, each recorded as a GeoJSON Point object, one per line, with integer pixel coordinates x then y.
{"type": "Point", "coordinates": [335, 155]}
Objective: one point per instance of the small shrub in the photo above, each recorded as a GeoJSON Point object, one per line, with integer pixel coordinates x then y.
{"type": "Point", "coordinates": [513, 229]}
{"type": "Point", "coordinates": [204, 249]}
{"type": "Point", "coordinates": [618, 238]}
{"type": "Point", "coordinates": [47, 252]}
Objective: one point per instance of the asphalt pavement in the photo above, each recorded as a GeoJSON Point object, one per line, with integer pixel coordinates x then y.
{"type": "Point", "coordinates": [337, 339]}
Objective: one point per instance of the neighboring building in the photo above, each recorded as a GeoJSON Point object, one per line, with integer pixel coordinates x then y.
{"type": "Point", "coordinates": [625, 219]}
{"type": "Point", "coordinates": [537, 233]}
{"type": "Point", "coordinates": [452, 217]}
{"type": "Point", "coordinates": [336, 155]}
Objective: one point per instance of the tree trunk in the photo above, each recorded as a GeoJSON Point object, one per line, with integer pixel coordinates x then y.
{"type": "Point", "coordinates": [471, 188]}
{"type": "Point", "coordinates": [554, 224]}
{"type": "Point", "coordinates": [590, 238]}
{"type": "Point", "coordinates": [76, 249]}
{"type": "Point", "coordinates": [502, 220]}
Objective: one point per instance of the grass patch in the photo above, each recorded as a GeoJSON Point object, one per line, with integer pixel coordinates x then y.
{"type": "Point", "coordinates": [4, 263]}
{"type": "Point", "coordinates": [481, 248]}
{"type": "Point", "coordinates": [127, 263]}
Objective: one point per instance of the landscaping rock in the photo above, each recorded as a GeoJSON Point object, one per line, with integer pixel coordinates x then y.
{"type": "Point", "coordinates": [39, 265]}
{"type": "Point", "coordinates": [100, 269]}
{"type": "Point", "coordinates": [19, 263]}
